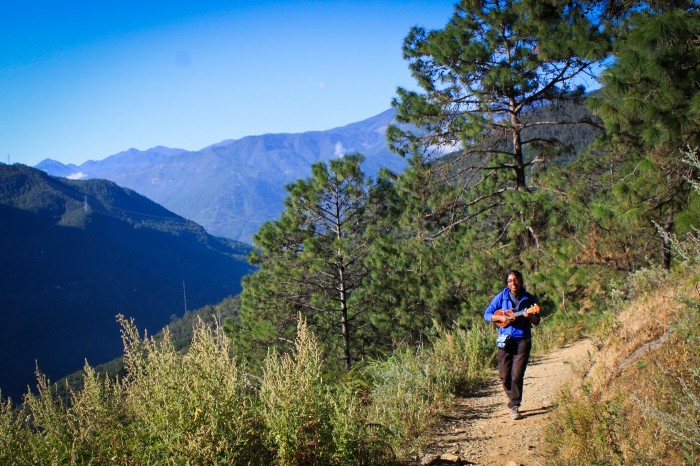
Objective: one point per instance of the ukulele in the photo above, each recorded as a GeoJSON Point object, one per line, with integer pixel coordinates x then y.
{"type": "Point", "coordinates": [534, 309]}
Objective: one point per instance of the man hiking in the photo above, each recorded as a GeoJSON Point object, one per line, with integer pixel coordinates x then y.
{"type": "Point", "coordinates": [514, 310]}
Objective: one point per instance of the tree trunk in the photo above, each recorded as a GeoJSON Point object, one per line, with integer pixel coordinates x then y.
{"type": "Point", "coordinates": [342, 290]}
{"type": "Point", "coordinates": [666, 241]}
{"type": "Point", "coordinates": [518, 159]}
{"type": "Point", "coordinates": [519, 167]}
{"type": "Point", "coordinates": [344, 323]}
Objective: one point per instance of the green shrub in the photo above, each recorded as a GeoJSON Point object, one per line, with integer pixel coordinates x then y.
{"type": "Point", "coordinates": [44, 430]}
{"type": "Point", "coordinates": [96, 419]}
{"type": "Point", "coordinates": [357, 441]}
{"type": "Point", "coordinates": [401, 398]}
{"type": "Point", "coordinates": [198, 407]}
{"type": "Point", "coordinates": [295, 406]}
{"type": "Point", "coordinates": [313, 422]}
{"type": "Point", "coordinates": [460, 357]}
{"type": "Point", "coordinates": [14, 436]}
{"type": "Point", "coordinates": [51, 442]}
{"type": "Point", "coordinates": [192, 408]}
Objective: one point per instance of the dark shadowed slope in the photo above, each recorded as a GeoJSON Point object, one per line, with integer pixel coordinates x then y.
{"type": "Point", "coordinates": [76, 253]}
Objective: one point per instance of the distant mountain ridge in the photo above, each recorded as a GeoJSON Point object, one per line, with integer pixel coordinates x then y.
{"type": "Point", "coordinates": [76, 253]}
{"type": "Point", "coordinates": [231, 188]}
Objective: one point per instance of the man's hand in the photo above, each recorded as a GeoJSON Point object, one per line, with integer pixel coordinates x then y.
{"type": "Point", "coordinates": [507, 318]}
{"type": "Point", "coordinates": [532, 317]}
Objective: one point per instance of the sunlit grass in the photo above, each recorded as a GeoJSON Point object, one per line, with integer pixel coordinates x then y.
{"type": "Point", "coordinates": [640, 402]}
{"type": "Point", "coordinates": [199, 407]}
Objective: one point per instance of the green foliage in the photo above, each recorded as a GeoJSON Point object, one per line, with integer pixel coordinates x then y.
{"type": "Point", "coordinates": [87, 430]}
{"type": "Point", "coordinates": [14, 437]}
{"type": "Point", "coordinates": [311, 421]}
{"type": "Point", "coordinates": [312, 261]}
{"type": "Point", "coordinates": [294, 403]}
{"type": "Point", "coordinates": [402, 394]}
{"type": "Point", "coordinates": [484, 75]}
{"type": "Point", "coordinates": [171, 408]}
{"type": "Point", "coordinates": [198, 407]}
{"type": "Point", "coordinates": [356, 440]}
{"type": "Point", "coordinates": [650, 92]}
{"type": "Point", "coordinates": [192, 406]}
{"type": "Point", "coordinates": [94, 418]}
{"type": "Point", "coordinates": [412, 386]}
{"type": "Point", "coordinates": [650, 106]}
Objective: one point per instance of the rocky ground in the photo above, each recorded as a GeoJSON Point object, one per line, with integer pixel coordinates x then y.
{"type": "Point", "coordinates": [479, 430]}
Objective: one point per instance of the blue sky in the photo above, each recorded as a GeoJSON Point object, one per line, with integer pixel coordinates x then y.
{"type": "Point", "coordinates": [82, 80]}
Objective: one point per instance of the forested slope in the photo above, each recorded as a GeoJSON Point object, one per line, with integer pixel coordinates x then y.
{"type": "Point", "coordinates": [77, 253]}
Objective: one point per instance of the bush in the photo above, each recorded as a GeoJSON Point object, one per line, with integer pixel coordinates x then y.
{"type": "Point", "coordinates": [311, 422]}
{"type": "Point", "coordinates": [198, 407]}
{"type": "Point", "coordinates": [357, 441]}
{"type": "Point", "coordinates": [192, 408]}
{"type": "Point", "coordinates": [52, 440]}
{"type": "Point", "coordinates": [461, 356]}
{"type": "Point", "coordinates": [295, 409]}
{"type": "Point", "coordinates": [14, 437]}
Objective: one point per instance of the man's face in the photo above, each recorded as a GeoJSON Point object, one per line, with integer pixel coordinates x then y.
{"type": "Point", "coordinates": [514, 284]}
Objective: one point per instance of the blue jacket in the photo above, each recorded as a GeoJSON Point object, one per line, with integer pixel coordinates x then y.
{"type": "Point", "coordinates": [521, 328]}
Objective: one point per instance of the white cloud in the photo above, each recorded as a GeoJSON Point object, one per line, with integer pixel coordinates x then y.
{"type": "Point", "coordinates": [442, 149]}
{"type": "Point", "coordinates": [339, 150]}
{"type": "Point", "coordinates": [77, 176]}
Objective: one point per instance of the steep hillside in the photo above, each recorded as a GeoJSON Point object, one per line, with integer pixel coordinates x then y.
{"type": "Point", "coordinates": [76, 253]}
{"type": "Point", "coordinates": [233, 187]}
{"type": "Point", "coordinates": [645, 380]}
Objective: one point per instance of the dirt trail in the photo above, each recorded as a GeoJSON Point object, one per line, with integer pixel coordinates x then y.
{"type": "Point", "coordinates": [479, 430]}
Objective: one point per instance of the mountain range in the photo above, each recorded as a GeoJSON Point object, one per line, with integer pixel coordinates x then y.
{"type": "Point", "coordinates": [75, 253]}
{"type": "Point", "coordinates": [231, 188]}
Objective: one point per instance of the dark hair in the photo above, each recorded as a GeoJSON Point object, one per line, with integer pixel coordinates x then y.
{"type": "Point", "coordinates": [517, 274]}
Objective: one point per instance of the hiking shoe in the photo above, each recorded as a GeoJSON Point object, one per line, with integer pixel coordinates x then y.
{"type": "Point", "coordinates": [515, 413]}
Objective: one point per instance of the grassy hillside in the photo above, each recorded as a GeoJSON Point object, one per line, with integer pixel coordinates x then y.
{"type": "Point", "coordinates": [640, 401]}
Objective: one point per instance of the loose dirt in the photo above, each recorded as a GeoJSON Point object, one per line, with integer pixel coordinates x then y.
{"type": "Point", "coordinates": [479, 430]}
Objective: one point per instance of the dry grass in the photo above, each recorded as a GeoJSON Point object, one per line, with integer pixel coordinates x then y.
{"type": "Point", "coordinates": [640, 401]}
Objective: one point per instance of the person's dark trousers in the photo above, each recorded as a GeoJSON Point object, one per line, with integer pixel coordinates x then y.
{"type": "Point", "coordinates": [512, 361]}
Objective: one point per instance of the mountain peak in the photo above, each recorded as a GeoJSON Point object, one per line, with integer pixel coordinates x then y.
{"type": "Point", "coordinates": [231, 188]}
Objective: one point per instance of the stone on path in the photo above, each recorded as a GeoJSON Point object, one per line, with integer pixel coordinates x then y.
{"type": "Point", "coordinates": [450, 458]}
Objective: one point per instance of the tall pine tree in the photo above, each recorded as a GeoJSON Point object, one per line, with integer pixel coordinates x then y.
{"type": "Point", "coordinates": [484, 75]}
{"type": "Point", "coordinates": [651, 108]}
{"type": "Point", "coordinates": [311, 261]}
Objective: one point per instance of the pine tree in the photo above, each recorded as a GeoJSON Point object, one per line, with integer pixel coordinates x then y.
{"type": "Point", "coordinates": [311, 261]}
{"type": "Point", "coordinates": [651, 108]}
{"type": "Point", "coordinates": [484, 75]}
